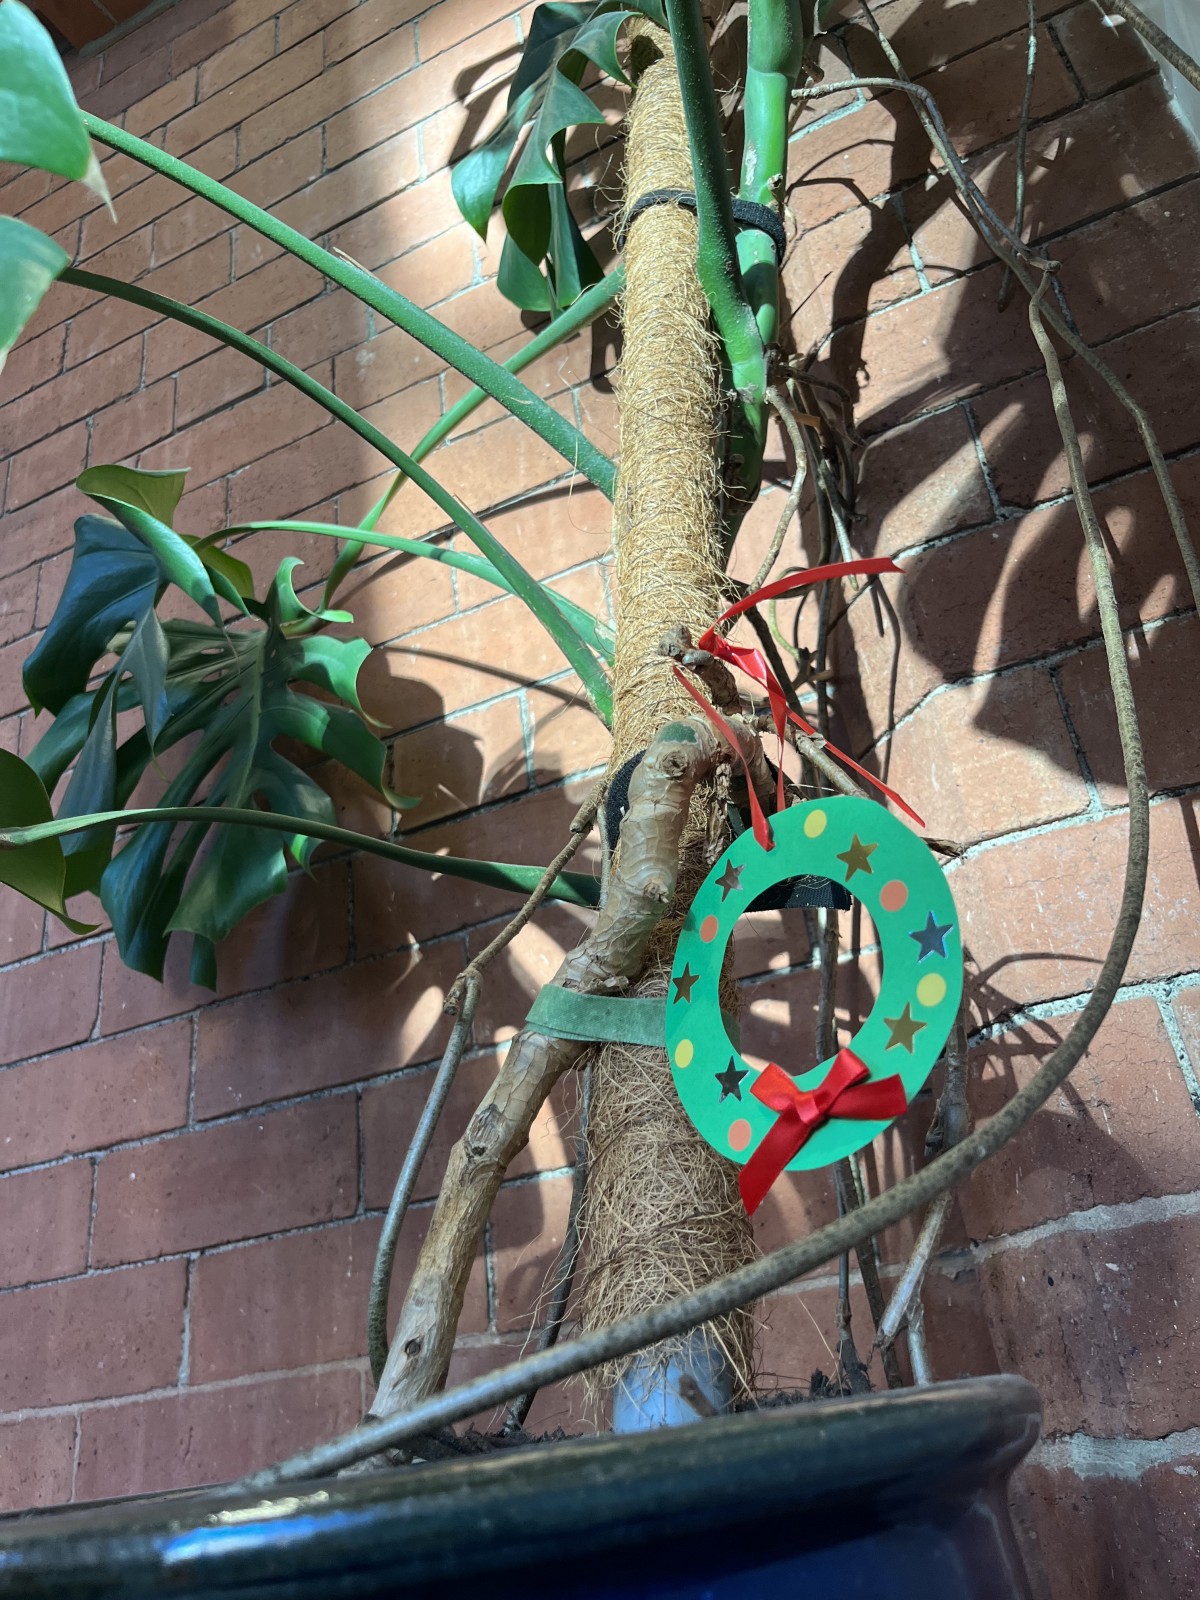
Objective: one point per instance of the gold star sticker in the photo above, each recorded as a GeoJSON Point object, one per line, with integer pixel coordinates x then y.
{"type": "Point", "coordinates": [903, 1030]}
{"type": "Point", "coordinates": [858, 857]}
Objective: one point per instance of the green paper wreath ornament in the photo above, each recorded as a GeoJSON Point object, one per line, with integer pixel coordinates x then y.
{"type": "Point", "coordinates": [896, 877]}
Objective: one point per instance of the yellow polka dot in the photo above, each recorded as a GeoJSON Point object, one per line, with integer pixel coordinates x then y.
{"type": "Point", "coordinates": [814, 824]}
{"type": "Point", "coordinates": [931, 990]}
{"type": "Point", "coordinates": [684, 1053]}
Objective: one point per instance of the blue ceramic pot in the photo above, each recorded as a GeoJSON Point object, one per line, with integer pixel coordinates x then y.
{"type": "Point", "coordinates": [899, 1496]}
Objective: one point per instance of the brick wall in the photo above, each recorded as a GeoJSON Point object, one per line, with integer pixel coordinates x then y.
{"type": "Point", "coordinates": [193, 1186]}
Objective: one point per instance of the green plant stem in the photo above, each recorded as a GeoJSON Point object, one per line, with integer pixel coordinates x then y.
{"type": "Point", "coordinates": [777, 44]}
{"type": "Point", "coordinates": [478, 566]}
{"type": "Point", "coordinates": [716, 256]}
{"type": "Point", "coordinates": [577, 652]}
{"type": "Point", "coordinates": [592, 303]}
{"type": "Point", "coordinates": [574, 888]}
{"type": "Point", "coordinates": [487, 374]}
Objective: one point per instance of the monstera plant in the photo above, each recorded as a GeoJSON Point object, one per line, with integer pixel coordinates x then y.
{"type": "Point", "coordinates": [186, 706]}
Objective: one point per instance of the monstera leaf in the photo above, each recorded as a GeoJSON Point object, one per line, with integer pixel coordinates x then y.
{"type": "Point", "coordinates": [231, 692]}
{"type": "Point", "coordinates": [40, 126]}
{"type": "Point", "coordinates": [544, 101]}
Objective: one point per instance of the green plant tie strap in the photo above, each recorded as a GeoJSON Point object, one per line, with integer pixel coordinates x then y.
{"type": "Point", "coordinates": [606, 1018]}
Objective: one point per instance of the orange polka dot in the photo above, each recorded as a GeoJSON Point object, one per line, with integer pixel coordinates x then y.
{"type": "Point", "coordinates": [893, 895]}
{"type": "Point", "coordinates": [739, 1134]}
{"type": "Point", "coordinates": [708, 929]}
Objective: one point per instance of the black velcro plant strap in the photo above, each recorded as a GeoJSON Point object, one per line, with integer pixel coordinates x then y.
{"type": "Point", "coordinates": [746, 213]}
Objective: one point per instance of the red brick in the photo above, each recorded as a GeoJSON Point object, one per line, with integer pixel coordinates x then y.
{"type": "Point", "coordinates": [48, 1004]}
{"type": "Point", "coordinates": [1104, 1324]}
{"type": "Point", "coordinates": [156, 110]}
{"type": "Point", "coordinates": [302, 1300]}
{"type": "Point", "coordinates": [291, 935]}
{"type": "Point", "coordinates": [456, 765]}
{"type": "Point", "coordinates": [436, 271]}
{"type": "Point", "coordinates": [416, 214]}
{"type": "Point", "coordinates": [1009, 593]}
{"type": "Point", "coordinates": [392, 902]}
{"type": "Point", "coordinates": [303, 475]}
{"type": "Point", "coordinates": [321, 329]}
{"type": "Point", "coordinates": [1160, 661]}
{"type": "Point", "coordinates": [247, 51]}
{"type": "Point", "coordinates": [248, 303]}
{"type": "Point", "coordinates": [391, 1010]}
{"type": "Point", "coordinates": [457, 660]}
{"type": "Point", "coordinates": [20, 920]}
{"type": "Point", "coordinates": [186, 1439]}
{"type": "Point", "coordinates": [354, 187]}
{"type": "Point", "coordinates": [18, 601]}
{"type": "Point", "coordinates": [528, 1222]}
{"type": "Point", "coordinates": [110, 1333]}
{"type": "Point", "coordinates": [39, 529]}
{"type": "Point", "coordinates": [139, 420]}
{"type": "Point", "coordinates": [85, 1099]}
{"type": "Point", "coordinates": [256, 427]}
{"type": "Point", "coordinates": [918, 482]}
{"type": "Point", "coordinates": [391, 1112]}
{"type": "Point", "coordinates": [140, 76]}
{"type": "Point", "coordinates": [1157, 365]}
{"type": "Point", "coordinates": [1129, 268]}
{"type": "Point", "coordinates": [157, 194]}
{"type": "Point", "coordinates": [281, 115]}
{"type": "Point", "coordinates": [264, 182]}
{"type": "Point", "coordinates": [1103, 49]}
{"type": "Point", "coordinates": [984, 758]}
{"type": "Point", "coordinates": [565, 1406]}
{"type": "Point", "coordinates": [800, 1338]}
{"type": "Point", "coordinates": [568, 737]}
{"type": "Point", "coordinates": [847, 268]}
{"type": "Point", "coordinates": [1121, 1128]}
{"type": "Point", "coordinates": [37, 1462]}
{"type": "Point", "coordinates": [397, 595]}
{"type": "Point", "coordinates": [1109, 1534]}
{"type": "Point", "coordinates": [214, 382]}
{"type": "Point", "coordinates": [82, 393]}
{"type": "Point", "coordinates": [267, 86]}
{"type": "Point", "coordinates": [1038, 913]}
{"type": "Point", "coordinates": [47, 465]}
{"type": "Point", "coordinates": [284, 1169]}
{"type": "Point", "coordinates": [549, 533]}
{"type": "Point", "coordinates": [924, 42]}
{"type": "Point", "coordinates": [305, 17]}
{"type": "Point", "coordinates": [48, 1213]}
{"type": "Point", "coordinates": [203, 40]}
{"type": "Point", "coordinates": [33, 362]}
{"type": "Point", "coordinates": [521, 969]}
{"type": "Point", "coordinates": [353, 26]}
{"type": "Point", "coordinates": [939, 347]}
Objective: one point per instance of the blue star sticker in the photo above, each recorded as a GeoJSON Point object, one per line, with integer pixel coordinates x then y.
{"type": "Point", "coordinates": [932, 938]}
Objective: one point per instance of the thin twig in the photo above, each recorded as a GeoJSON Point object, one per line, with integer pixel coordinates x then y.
{"type": "Point", "coordinates": [1022, 141]}
{"type": "Point", "coordinates": [568, 1256]}
{"type": "Point", "coordinates": [1174, 54]}
{"type": "Point", "coordinates": [581, 826]}
{"type": "Point", "coordinates": [385, 1254]}
{"type": "Point", "coordinates": [779, 401]}
{"type": "Point", "coordinates": [949, 1127]}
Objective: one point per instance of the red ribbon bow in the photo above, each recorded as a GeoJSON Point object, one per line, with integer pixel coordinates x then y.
{"type": "Point", "coordinates": [802, 1112]}
{"type": "Point", "coordinates": [754, 664]}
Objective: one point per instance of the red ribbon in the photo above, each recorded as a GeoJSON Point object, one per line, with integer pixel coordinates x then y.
{"type": "Point", "coordinates": [754, 664]}
{"type": "Point", "coordinates": [802, 1112]}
